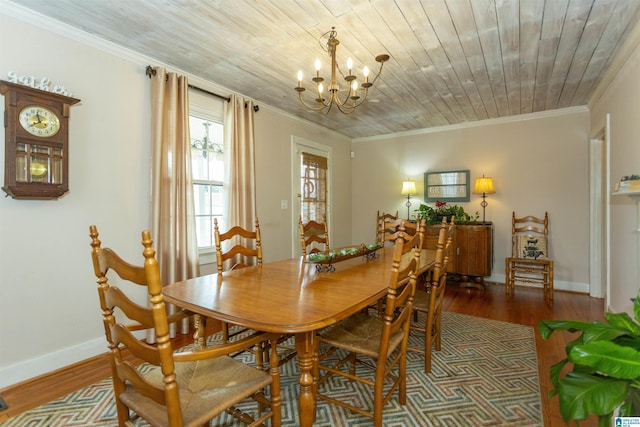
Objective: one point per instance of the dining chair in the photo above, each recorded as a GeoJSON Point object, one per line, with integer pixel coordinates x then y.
{"type": "Point", "coordinates": [529, 261]}
{"type": "Point", "coordinates": [238, 248]}
{"type": "Point", "coordinates": [314, 236]}
{"type": "Point", "coordinates": [244, 249]}
{"type": "Point", "coordinates": [376, 343]}
{"type": "Point", "coordinates": [187, 387]}
{"type": "Point", "coordinates": [381, 220]}
{"type": "Point", "coordinates": [428, 302]}
{"type": "Point", "coordinates": [392, 229]}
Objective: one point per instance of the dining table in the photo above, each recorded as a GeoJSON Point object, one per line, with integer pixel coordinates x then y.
{"type": "Point", "coordinates": [293, 297]}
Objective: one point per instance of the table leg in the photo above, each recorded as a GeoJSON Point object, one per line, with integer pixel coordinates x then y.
{"type": "Point", "coordinates": [305, 343]}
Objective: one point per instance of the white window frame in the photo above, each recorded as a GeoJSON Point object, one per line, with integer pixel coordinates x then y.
{"type": "Point", "coordinates": [209, 108]}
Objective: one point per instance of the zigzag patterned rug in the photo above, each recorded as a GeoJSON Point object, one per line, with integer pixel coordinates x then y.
{"type": "Point", "coordinates": [485, 375]}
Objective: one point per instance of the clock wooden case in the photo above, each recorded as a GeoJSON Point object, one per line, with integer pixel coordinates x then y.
{"type": "Point", "coordinates": [36, 163]}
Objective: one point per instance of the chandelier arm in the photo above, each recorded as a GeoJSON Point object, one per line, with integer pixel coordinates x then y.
{"type": "Point", "coordinates": [377, 75]}
{"type": "Point", "coordinates": [350, 108]}
{"type": "Point", "coordinates": [319, 107]}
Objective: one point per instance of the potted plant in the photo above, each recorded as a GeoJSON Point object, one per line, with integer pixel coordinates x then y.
{"type": "Point", "coordinates": [605, 361]}
{"type": "Point", "coordinates": [434, 216]}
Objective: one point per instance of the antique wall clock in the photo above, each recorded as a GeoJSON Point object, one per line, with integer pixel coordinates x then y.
{"type": "Point", "coordinates": [36, 163]}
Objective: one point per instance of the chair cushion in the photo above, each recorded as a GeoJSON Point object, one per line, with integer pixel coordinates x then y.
{"type": "Point", "coordinates": [531, 247]}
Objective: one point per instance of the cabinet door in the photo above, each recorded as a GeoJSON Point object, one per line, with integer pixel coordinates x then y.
{"type": "Point", "coordinates": [475, 250]}
{"type": "Point", "coordinates": [431, 239]}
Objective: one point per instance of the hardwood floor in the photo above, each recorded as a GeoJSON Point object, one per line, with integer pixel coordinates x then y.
{"type": "Point", "coordinates": [526, 307]}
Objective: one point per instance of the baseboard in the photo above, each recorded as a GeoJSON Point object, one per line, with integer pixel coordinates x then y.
{"type": "Point", "coordinates": [558, 285]}
{"type": "Point", "coordinates": [28, 369]}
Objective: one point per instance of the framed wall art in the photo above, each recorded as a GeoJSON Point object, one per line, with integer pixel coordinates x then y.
{"type": "Point", "coordinates": [446, 186]}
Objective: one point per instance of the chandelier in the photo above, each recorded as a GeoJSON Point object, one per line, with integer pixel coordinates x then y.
{"type": "Point", "coordinates": [350, 98]}
{"type": "Point", "coordinates": [206, 145]}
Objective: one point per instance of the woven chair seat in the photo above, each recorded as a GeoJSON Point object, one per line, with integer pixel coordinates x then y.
{"type": "Point", "coordinates": [207, 388]}
{"type": "Point", "coordinates": [361, 334]}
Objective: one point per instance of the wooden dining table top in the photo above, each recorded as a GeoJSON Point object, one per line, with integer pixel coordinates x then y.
{"type": "Point", "coordinates": [290, 296]}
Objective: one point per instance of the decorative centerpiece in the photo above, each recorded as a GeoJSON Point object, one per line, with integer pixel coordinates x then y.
{"type": "Point", "coordinates": [324, 260]}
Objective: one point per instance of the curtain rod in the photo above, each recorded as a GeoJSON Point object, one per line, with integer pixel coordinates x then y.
{"type": "Point", "coordinates": [151, 72]}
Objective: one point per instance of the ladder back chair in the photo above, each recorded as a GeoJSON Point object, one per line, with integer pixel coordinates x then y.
{"type": "Point", "coordinates": [381, 220]}
{"type": "Point", "coordinates": [529, 262]}
{"type": "Point", "coordinates": [242, 248]}
{"type": "Point", "coordinates": [428, 302]}
{"type": "Point", "coordinates": [246, 250]}
{"type": "Point", "coordinates": [314, 237]}
{"type": "Point", "coordinates": [394, 228]}
{"type": "Point", "coordinates": [377, 343]}
{"type": "Point", "coordinates": [184, 388]}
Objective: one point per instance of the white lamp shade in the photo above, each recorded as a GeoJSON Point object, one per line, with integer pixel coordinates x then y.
{"type": "Point", "coordinates": [408, 187]}
{"type": "Point", "coordinates": [484, 185]}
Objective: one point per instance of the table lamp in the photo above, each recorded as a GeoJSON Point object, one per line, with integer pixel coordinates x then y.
{"type": "Point", "coordinates": [484, 186]}
{"type": "Point", "coordinates": [408, 188]}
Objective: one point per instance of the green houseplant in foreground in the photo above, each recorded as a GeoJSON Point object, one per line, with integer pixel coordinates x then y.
{"type": "Point", "coordinates": [605, 375]}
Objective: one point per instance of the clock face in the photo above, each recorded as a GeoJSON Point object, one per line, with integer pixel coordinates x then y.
{"type": "Point", "coordinates": [39, 121]}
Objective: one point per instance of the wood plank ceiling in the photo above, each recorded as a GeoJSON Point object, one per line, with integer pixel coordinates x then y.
{"type": "Point", "coordinates": [452, 61]}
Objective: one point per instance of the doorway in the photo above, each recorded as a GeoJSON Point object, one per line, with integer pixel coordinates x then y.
{"type": "Point", "coordinates": [599, 255]}
{"type": "Point", "coordinates": [311, 184]}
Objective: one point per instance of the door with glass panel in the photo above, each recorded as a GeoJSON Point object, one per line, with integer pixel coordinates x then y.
{"type": "Point", "coordinates": [311, 184]}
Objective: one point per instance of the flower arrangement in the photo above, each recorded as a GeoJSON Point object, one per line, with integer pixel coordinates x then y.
{"type": "Point", "coordinates": [433, 216]}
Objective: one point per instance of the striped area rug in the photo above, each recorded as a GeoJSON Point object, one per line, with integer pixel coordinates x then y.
{"type": "Point", "coordinates": [485, 375]}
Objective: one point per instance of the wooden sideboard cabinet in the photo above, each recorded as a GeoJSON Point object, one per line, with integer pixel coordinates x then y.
{"type": "Point", "coordinates": [472, 252]}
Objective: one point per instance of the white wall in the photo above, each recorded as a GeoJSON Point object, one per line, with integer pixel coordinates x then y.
{"type": "Point", "coordinates": [539, 162]}
{"type": "Point", "coordinates": [622, 100]}
{"type": "Point", "coordinates": [49, 312]}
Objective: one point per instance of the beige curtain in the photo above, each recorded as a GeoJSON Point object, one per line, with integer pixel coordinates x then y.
{"type": "Point", "coordinates": [172, 207]}
{"type": "Point", "coordinates": [240, 176]}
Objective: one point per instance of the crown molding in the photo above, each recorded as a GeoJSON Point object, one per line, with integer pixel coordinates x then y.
{"type": "Point", "coordinates": [479, 123]}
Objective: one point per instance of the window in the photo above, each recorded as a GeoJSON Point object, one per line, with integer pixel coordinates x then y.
{"type": "Point", "coordinates": [206, 128]}
{"type": "Point", "coordinates": [207, 161]}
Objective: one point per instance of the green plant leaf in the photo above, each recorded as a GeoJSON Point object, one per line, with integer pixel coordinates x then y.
{"type": "Point", "coordinates": [603, 332]}
{"type": "Point", "coordinates": [546, 327]}
{"type": "Point", "coordinates": [570, 345]}
{"type": "Point", "coordinates": [581, 395]}
{"type": "Point", "coordinates": [608, 358]}
{"type": "Point", "coordinates": [623, 321]}
{"type": "Point", "coordinates": [555, 371]}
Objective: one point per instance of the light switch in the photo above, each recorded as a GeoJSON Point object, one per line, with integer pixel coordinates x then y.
{"type": "Point", "coordinates": [284, 204]}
